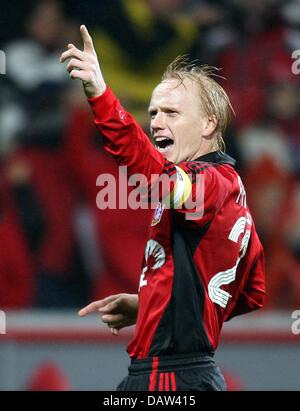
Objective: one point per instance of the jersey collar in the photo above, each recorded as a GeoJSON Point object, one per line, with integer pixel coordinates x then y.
{"type": "Point", "coordinates": [217, 157]}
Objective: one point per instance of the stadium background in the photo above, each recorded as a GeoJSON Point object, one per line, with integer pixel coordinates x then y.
{"type": "Point", "coordinates": [58, 251]}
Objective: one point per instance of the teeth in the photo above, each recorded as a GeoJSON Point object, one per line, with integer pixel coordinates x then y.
{"type": "Point", "coordinates": [162, 138]}
{"type": "Point", "coordinates": [163, 143]}
{"type": "Point", "coordinates": [161, 149]}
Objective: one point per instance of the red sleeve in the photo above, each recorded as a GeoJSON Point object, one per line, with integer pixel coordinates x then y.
{"type": "Point", "coordinates": [124, 138]}
{"type": "Point", "coordinates": [252, 296]}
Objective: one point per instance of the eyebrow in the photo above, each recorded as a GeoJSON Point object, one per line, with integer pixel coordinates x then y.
{"type": "Point", "coordinates": [164, 109]}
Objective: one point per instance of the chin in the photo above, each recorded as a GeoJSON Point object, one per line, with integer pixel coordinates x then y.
{"type": "Point", "coordinates": [169, 158]}
{"type": "Point", "coordinates": [169, 155]}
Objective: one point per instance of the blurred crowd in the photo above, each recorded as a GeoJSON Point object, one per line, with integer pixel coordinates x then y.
{"type": "Point", "coordinates": [57, 250]}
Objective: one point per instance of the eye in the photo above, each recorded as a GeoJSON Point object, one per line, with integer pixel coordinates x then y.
{"type": "Point", "coordinates": [171, 113]}
{"type": "Point", "coordinates": [152, 113]}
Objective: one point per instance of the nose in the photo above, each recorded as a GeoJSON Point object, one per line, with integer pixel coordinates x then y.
{"type": "Point", "coordinates": [158, 122]}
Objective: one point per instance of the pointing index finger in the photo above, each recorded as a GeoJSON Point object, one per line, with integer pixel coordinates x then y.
{"type": "Point", "coordinates": [87, 39]}
{"type": "Point", "coordinates": [91, 308]}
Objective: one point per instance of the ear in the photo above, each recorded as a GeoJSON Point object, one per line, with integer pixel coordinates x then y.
{"type": "Point", "coordinates": [210, 127]}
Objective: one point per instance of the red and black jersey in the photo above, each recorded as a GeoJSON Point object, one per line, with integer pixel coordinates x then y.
{"type": "Point", "coordinates": [203, 264]}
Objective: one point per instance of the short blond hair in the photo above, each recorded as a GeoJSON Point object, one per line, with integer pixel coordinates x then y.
{"type": "Point", "coordinates": [213, 97]}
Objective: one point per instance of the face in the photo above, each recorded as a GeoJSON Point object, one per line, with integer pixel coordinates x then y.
{"type": "Point", "coordinates": [180, 130]}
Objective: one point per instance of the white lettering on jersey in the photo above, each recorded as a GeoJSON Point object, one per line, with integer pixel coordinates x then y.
{"type": "Point", "coordinates": [153, 248]}
{"type": "Point", "coordinates": [237, 229]}
{"type": "Point", "coordinates": [242, 199]}
{"type": "Point", "coordinates": [216, 294]}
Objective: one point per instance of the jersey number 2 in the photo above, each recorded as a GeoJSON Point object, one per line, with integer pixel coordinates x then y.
{"type": "Point", "coordinates": [215, 292]}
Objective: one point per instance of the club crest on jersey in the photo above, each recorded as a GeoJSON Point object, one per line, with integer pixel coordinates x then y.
{"type": "Point", "coordinates": [157, 214]}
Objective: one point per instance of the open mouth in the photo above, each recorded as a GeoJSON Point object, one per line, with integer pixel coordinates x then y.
{"type": "Point", "coordinates": [163, 143]}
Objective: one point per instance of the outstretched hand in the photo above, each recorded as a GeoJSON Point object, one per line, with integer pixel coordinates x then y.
{"type": "Point", "coordinates": [84, 65]}
{"type": "Point", "coordinates": [117, 311]}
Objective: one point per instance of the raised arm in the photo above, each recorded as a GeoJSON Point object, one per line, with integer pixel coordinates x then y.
{"type": "Point", "coordinates": [124, 138]}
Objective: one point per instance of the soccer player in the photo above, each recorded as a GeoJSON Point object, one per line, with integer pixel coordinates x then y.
{"type": "Point", "coordinates": [203, 261]}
